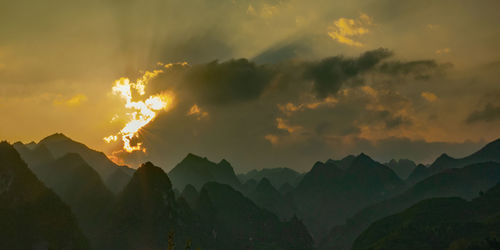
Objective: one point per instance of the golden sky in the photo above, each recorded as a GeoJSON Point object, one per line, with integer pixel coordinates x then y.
{"type": "Point", "coordinates": [268, 82]}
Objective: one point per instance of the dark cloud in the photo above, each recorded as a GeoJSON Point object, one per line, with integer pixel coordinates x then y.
{"type": "Point", "coordinates": [390, 120]}
{"type": "Point", "coordinates": [420, 70]}
{"type": "Point", "coordinates": [228, 82]}
{"type": "Point", "coordinates": [489, 113]}
{"type": "Point", "coordinates": [241, 80]}
{"type": "Point", "coordinates": [329, 74]}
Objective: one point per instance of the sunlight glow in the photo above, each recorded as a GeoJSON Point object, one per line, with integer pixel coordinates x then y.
{"type": "Point", "coordinates": [144, 111]}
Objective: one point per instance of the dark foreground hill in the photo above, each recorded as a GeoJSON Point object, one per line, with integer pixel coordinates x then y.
{"type": "Point", "coordinates": [462, 182]}
{"type": "Point", "coordinates": [439, 223]}
{"type": "Point", "coordinates": [31, 215]}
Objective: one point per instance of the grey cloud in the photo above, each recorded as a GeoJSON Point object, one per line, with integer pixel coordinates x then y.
{"type": "Point", "coordinates": [228, 82]}
{"type": "Point", "coordinates": [489, 113]}
{"type": "Point", "coordinates": [329, 74]}
{"type": "Point", "coordinates": [419, 70]}
{"type": "Point", "coordinates": [241, 80]}
{"type": "Point", "coordinates": [390, 120]}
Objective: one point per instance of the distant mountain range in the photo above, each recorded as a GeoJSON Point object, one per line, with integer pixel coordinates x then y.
{"type": "Point", "coordinates": [276, 176]}
{"type": "Point", "coordinates": [402, 167]}
{"type": "Point", "coordinates": [58, 145]}
{"type": "Point", "coordinates": [490, 152]}
{"type": "Point", "coordinates": [197, 171]}
{"type": "Point", "coordinates": [204, 204]}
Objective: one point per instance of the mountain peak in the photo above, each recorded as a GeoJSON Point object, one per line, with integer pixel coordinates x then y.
{"type": "Point", "coordinates": [55, 138]}
{"type": "Point", "coordinates": [148, 167]}
{"type": "Point", "coordinates": [150, 177]}
{"type": "Point", "coordinates": [190, 157]}
{"type": "Point", "coordinates": [444, 156]}
{"type": "Point", "coordinates": [224, 162]}
{"type": "Point", "coordinates": [7, 149]}
{"type": "Point", "coordinates": [265, 182]}
{"type": "Point", "coordinates": [362, 160]}
{"type": "Point", "coordinates": [363, 156]}
{"type": "Point", "coordinates": [197, 171]}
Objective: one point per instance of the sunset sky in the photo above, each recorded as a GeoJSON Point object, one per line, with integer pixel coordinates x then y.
{"type": "Point", "coordinates": [268, 83]}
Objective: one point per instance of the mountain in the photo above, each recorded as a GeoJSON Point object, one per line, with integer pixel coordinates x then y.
{"type": "Point", "coordinates": [344, 163]}
{"type": "Point", "coordinates": [237, 223]}
{"type": "Point", "coordinates": [79, 186]}
{"type": "Point", "coordinates": [59, 145]}
{"type": "Point", "coordinates": [286, 188]}
{"type": "Point", "coordinates": [190, 194]}
{"type": "Point", "coordinates": [277, 176]}
{"type": "Point", "coordinates": [439, 223]}
{"type": "Point", "coordinates": [118, 179]}
{"type": "Point", "coordinates": [35, 155]}
{"type": "Point", "coordinates": [490, 152]}
{"type": "Point", "coordinates": [402, 167]}
{"type": "Point", "coordinates": [197, 171]}
{"type": "Point", "coordinates": [327, 195]}
{"type": "Point", "coordinates": [146, 212]}
{"type": "Point", "coordinates": [31, 215]}
{"type": "Point", "coordinates": [267, 197]}
{"type": "Point", "coordinates": [464, 182]}
{"type": "Point", "coordinates": [419, 173]}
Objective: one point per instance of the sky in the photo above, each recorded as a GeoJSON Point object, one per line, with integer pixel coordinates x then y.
{"type": "Point", "coordinates": [261, 83]}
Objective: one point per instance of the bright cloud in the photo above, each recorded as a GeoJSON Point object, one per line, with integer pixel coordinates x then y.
{"type": "Point", "coordinates": [344, 30]}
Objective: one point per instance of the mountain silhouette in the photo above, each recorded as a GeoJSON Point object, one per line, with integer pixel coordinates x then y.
{"type": "Point", "coordinates": [146, 212]}
{"type": "Point", "coordinates": [191, 195]}
{"type": "Point", "coordinates": [490, 152]}
{"type": "Point", "coordinates": [34, 155]}
{"type": "Point", "coordinates": [59, 145]}
{"type": "Point", "coordinates": [402, 167]}
{"type": "Point", "coordinates": [266, 196]}
{"type": "Point", "coordinates": [277, 176]}
{"type": "Point", "coordinates": [238, 223]}
{"type": "Point", "coordinates": [344, 163]}
{"type": "Point", "coordinates": [286, 188]}
{"type": "Point", "coordinates": [327, 195]}
{"type": "Point", "coordinates": [31, 215]}
{"type": "Point", "coordinates": [197, 171]}
{"type": "Point", "coordinates": [79, 186]}
{"type": "Point", "coordinates": [439, 223]}
{"type": "Point", "coordinates": [462, 182]}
